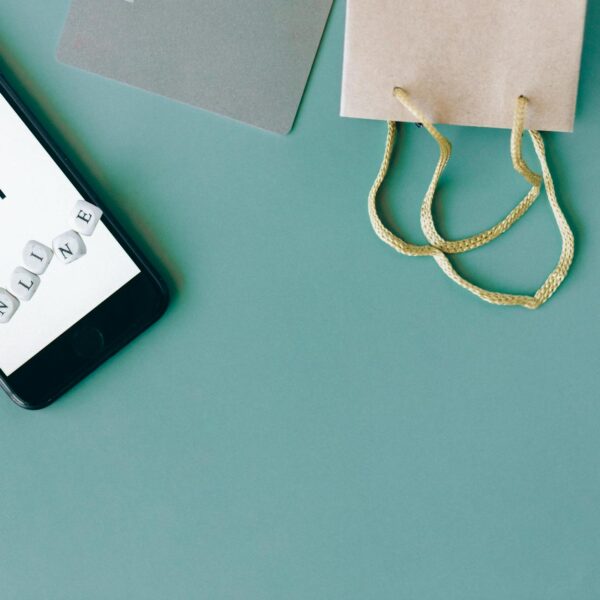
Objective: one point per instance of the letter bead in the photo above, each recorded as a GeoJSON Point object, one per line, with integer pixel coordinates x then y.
{"type": "Point", "coordinates": [68, 247]}
{"type": "Point", "coordinates": [37, 257]}
{"type": "Point", "coordinates": [24, 283]}
{"type": "Point", "coordinates": [8, 306]}
{"type": "Point", "coordinates": [85, 216]}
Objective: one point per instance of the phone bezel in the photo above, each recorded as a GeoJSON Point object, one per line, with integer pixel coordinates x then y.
{"type": "Point", "coordinates": [125, 314]}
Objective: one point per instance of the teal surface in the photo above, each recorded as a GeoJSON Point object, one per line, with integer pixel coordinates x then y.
{"type": "Point", "coordinates": [316, 417]}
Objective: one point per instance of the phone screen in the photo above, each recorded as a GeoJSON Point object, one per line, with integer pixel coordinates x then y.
{"type": "Point", "coordinates": [58, 261]}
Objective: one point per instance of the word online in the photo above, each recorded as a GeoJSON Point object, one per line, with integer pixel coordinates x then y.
{"type": "Point", "coordinates": [66, 248]}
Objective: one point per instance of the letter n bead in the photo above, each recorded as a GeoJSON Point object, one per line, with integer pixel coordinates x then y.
{"type": "Point", "coordinates": [84, 217]}
{"type": "Point", "coordinates": [8, 306]}
{"type": "Point", "coordinates": [68, 247]}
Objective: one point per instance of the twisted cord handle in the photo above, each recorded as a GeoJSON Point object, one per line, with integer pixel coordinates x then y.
{"type": "Point", "coordinates": [438, 247]}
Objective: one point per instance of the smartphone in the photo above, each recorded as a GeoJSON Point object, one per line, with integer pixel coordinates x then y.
{"type": "Point", "coordinates": [74, 289]}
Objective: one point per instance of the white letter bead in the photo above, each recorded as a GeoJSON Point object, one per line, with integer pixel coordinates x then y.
{"type": "Point", "coordinates": [8, 306]}
{"type": "Point", "coordinates": [68, 247]}
{"type": "Point", "coordinates": [85, 217]}
{"type": "Point", "coordinates": [37, 257]}
{"type": "Point", "coordinates": [24, 283]}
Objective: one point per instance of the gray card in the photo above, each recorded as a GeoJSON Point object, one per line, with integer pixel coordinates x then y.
{"type": "Point", "coordinates": [245, 59]}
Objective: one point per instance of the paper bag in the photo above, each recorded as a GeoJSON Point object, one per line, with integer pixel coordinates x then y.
{"type": "Point", "coordinates": [464, 61]}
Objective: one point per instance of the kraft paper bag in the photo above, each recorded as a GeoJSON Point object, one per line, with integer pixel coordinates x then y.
{"type": "Point", "coordinates": [464, 61]}
{"type": "Point", "coordinates": [492, 63]}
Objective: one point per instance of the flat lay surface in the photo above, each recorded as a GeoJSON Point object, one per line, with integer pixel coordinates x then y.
{"type": "Point", "coordinates": [316, 416]}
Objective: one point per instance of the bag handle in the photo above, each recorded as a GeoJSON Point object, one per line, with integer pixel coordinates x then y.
{"type": "Point", "coordinates": [427, 223]}
{"type": "Point", "coordinates": [556, 277]}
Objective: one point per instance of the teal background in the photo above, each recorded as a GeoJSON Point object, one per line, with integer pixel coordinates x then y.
{"type": "Point", "coordinates": [316, 417]}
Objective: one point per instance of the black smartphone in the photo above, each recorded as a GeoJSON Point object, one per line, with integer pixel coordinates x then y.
{"type": "Point", "coordinates": [74, 289]}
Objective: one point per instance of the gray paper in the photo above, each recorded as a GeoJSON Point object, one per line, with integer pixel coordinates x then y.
{"type": "Point", "coordinates": [245, 59]}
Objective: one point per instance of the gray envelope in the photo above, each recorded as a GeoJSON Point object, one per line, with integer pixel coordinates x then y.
{"type": "Point", "coordinates": [245, 59]}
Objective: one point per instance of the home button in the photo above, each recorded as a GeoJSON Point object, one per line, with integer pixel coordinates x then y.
{"type": "Point", "coordinates": [87, 342]}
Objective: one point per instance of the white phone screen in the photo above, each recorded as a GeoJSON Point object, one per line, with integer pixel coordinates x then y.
{"type": "Point", "coordinates": [38, 204]}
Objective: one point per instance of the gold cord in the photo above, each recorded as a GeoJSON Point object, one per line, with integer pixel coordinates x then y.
{"type": "Point", "coordinates": [427, 224]}
{"type": "Point", "coordinates": [438, 246]}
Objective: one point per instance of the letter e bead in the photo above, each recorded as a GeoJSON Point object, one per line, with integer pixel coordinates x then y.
{"type": "Point", "coordinates": [85, 217]}
{"type": "Point", "coordinates": [68, 247]}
